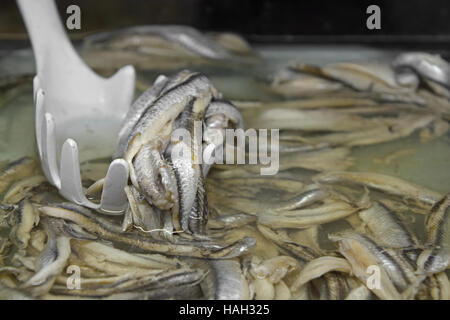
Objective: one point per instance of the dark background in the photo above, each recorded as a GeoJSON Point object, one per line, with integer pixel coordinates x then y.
{"type": "Point", "coordinates": [310, 21]}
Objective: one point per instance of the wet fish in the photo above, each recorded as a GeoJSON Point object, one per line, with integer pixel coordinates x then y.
{"type": "Point", "coordinates": [143, 216]}
{"type": "Point", "coordinates": [440, 288]}
{"type": "Point", "coordinates": [306, 198]}
{"type": "Point", "coordinates": [184, 155]}
{"type": "Point", "coordinates": [315, 120]}
{"type": "Point", "coordinates": [50, 263]}
{"type": "Point", "coordinates": [22, 221]}
{"type": "Point", "coordinates": [136, 109]}
{"type": "Point", "coordinates": [403, 127]}
{"type": "Point", "coordinates": [426, 65]}
{"type": "Point", "coordinates": [287, 246]}
{"type": "Point", "coordinates": [282, 291]}
{"type": "Point", "coordinates": [389, 227]}
{"type": "Point", "coordinates": [127, 259]}
{"type": "Point", "coordinates": [109, 231]}
{"type": "Point", "coordinates": [7, 293]}
{"type": "Point", "coordinates": [417, 194]}
{"type": "Point", "coordinates": [225, 281]}
{"type": "Point", "coordinates": [274, 269]}
{"type": "Point", "coordinates": [360, 293]}
{"type": "Point", "coordinates": [187, 37]}
{"type": "Point", "coordinates": [251, 187]}
{"type": "Point", "coordinates": [156, 120]}
{"type": "Point", "coordinates": [230, 221]}
{"type": "Point", "coordinates": [16, 170]}
{"type": "Point", "coordinates": [368, 76]}
{"type": "Point", "coordinates": [318, 267]}
{"type": "Point", "coordinates": [233, 43]}
{"type": "Point", "coordinates": [293, 81]}
{"type": "Point", "coordinates": [20, 189]}
{"type": "Point", "coordinates": [437, 227]}
{"type": "Point", "coordinates": [147, 283]}
{"type": "Point", "coordinates": [333, 286]}
{"type": "Point", "coordinates": [321, 159]}
{"type": "Point", "coordinates": [362, 252]}
{"type": "Point", "coordinates": [330, 210]}
{"type": "Point", "coordinates": [155, 177]}
{"type": "Point", "coordinates": [309, 103]}
{"type": "Point", "coordinates": [219, 116]}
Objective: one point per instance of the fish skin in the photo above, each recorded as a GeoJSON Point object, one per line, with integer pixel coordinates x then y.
{"type": "Point", "coordinates": [334, 287]}
{"type": "Point", "coordinates": [7, 293]}
{"type": "Point", "coordinates": [318, 267]}
{"type": "Point", "coordinates": [50, 263]}
{"type": "Point", "coordinates": [167, 107]}
{"type": "Point", "coordinates": [437, 227]}
{"type": "Point", "coordinates": [135, 112]}
{"type": "Point", "coordinates": [225, 281]}
{"type": "Point", "coordinates": [219, 116]}
{"type": "Point", "coordinates": [352, 245]}
{"type": "Point", "coordinates": [426, 65]}
{"type": "Point", "coordinates": [22, 222]}
{"type": "Point", "coordinates": [305, 199]}
{"type": "Point", "coordinates": [15, 170]}
{"type": "Point", "coordinates": [228, 109]}
{"type": "Point", "coordinates": [188, 37]}
{"type": "Point", "coordinates": [163, 280]}
{"type": "Point", "coordinates": [330, 210]}
{"type": "Point", "coordinates": [274, 269]}
{"type": "Point", "coordinates": [22, 188]}
{"type": "Point", "coordinates": [389, 184]}
{"type": "Point", "coordinates": [360, 293]}
{"type": "Point", "coordinates": [154, 178]}
{"type": "Point", "coordinates": [108, 231]}
{"type": "Point", "coordinates": [388, 227]}
{"type": "Point", "coordinates": [291, 248]}
{"type": "Point", "coordinates": [186, 164]}
{"type": "Point", "coordinates": [144, 217]}
{"type": "Point", "coordinates": [156, 122]}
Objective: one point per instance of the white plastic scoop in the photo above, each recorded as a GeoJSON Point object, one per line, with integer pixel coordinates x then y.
{"type": "Point", "coordinates": [76, 109]}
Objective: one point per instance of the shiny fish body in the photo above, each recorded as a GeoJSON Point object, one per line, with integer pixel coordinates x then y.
{"type": "Point", "coordinates": [331, 210]}
{"type": "Point", "coordinates": [385, 183]}
{"type": "Point", "coordinates": [108, 231]}
{"type": "Point", "coordinates": [50, 262]}
{"type": "Point", "coordinates": [362, 252]}
{"type": "Point", "coordinates": [305, 199]}
{"type": "Point", "coordinates": [388, 227]}
{"type": "Point", "coordinates": [360, 293]}
{"type": "Point", "coordinates": [162, 281]}
{"type": "Point", "coordinates": [143, 216]}
{"type": "Point", "coordinates": [155, 177]}
{"type": "Point", "coordinates": [219, 116]}
{"type": "Point", "coordinates": [188, 37]}
{"type": "Point", "coordinates": [318, 267]}
{"type": "Point", "coordinates": [426, 65]}
{"type": "Point", "coordinates": [437, 227]}
{"type": "Point", "coordinates": [150, 136]}
{"type": "Point", "coordinates": [225, 281]}
{"type": "Point", "coordinates": [227, 109]}
{"type": "Point", "coordinates": [18, 169]}
{"type": "Point", "coordinates": [163, 111]}
{"type": "Point", "coordinates": [136, 110]}
{"type": "Point", "coordinates": [22, 222]}
{"type": "Point", "coordinates": [22, 188]}
{"type": "Point", "coordinates": [185, 160]}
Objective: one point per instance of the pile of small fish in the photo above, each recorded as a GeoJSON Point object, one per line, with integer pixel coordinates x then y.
{"type": "Point", "coordinates": [164, 47]}
{"type": "Point", "coordinates": [313, 231]}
